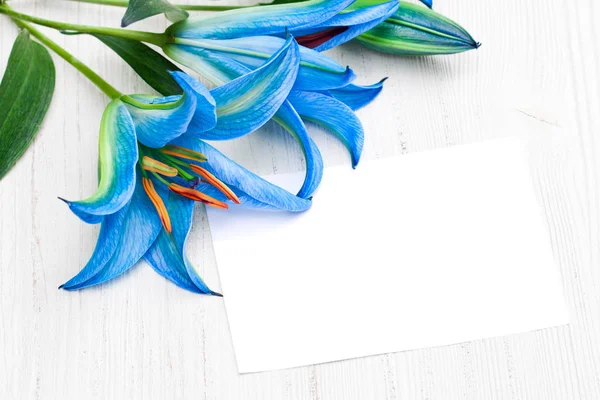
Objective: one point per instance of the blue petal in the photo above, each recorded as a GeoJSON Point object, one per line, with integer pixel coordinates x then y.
{"type": "Point", "coordinates": [131, 239]}
{"type": "Point", "coordinates": [248, 102]}
{"type": "Point", "coordinates": [108, 240]}
{"type": "Point", "coordinates": [218, 68]}
{"type": "Point", "coordinates": [118, 154]}
{"type": "Point", "coordinates": [428, 3]}
{"type": "Point", "coordinates": [239, 178]}
{"type": "Point", "coordinates": [333, 115]}
{"type": "Point", "coordinates": [245, 200]}
{"type": "Point", "coordinates": [205, 116]}
{"type": "Point", "coordinates": [167, 254]}
{"type": "Point", "coordinates": [288, 118]}
{"type": "Point", "coordinates": [317, 71]}
{"type": "Point", "coordinates": [260, 20]}
{"type": "Point", "coordinates": [358, 21]}
{"type": "Point", "coordinates": [355, 96]}
{"type": "Point", "coordinates": [159, 120]}
{"type": "Point", "coordinates": [156, 127]}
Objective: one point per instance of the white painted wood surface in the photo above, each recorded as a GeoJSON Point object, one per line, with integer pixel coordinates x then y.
{"type": "Point", "coordinates": [141, 337]}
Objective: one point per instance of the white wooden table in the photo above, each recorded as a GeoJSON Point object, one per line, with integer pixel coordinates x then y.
{"type": "Point", "coordinates": [141, 337]}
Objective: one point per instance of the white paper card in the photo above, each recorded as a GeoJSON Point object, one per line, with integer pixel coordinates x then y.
{"type": "Point", "coordinates": [414, 251]}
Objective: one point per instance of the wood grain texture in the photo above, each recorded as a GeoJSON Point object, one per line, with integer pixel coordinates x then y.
{"type": "Point", "coordinates": [141, 337]}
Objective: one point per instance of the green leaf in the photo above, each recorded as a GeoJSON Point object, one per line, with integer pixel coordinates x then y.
{"type": "Point", "coordinates": [138, 10]}
{"type": "Point", "coordinates": [149, 65]}
{"type": "Point", "coordinates": [25, 94]}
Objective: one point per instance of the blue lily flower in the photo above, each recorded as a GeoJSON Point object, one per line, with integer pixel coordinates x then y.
{"type": "Point", "coordinates": [230, 44]}
{"type": "Point", "coordinates": [318, 24]}
{"type": "Point", "coordinates": [152, 171]}
{"type": "Point", "coordinates": [322, 92]}
{"type": "Point", "coordinates": [390, 26]}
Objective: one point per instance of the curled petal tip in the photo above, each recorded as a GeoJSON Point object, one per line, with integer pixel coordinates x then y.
{"type": "Point", "coordinates": [216, 294]}
{"type": "Point", "coordinates": [68, 288]}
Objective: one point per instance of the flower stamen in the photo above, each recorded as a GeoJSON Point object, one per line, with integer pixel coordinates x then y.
{"type": "Point", "coordinates": [152, 165]}
{"type": "Point", "coordinates": [182, 152]}
{"type": "Point", "coordinates": [158, 204]}
{"type": "Point", "coordinates": [211, 179]}
{"type": "Point", "coordinates": [197, 196]}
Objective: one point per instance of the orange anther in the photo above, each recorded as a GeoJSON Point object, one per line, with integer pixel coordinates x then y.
{"type": "Point", "coordinates": [150, 164]}
{"type": "Point", "coordinates": [158, 203]}
{"type": "Point", "coordinates": [197, 196]}
{"type": "Point", "coordinates": [210, 178]}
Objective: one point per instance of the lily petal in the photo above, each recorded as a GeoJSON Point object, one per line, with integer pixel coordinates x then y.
{"type": "Point", "coordinates": [118, 154]}
{"type": "Point", "coordinates": [333, 115]}
{"type": "Point", "coordinates": [130, 238]}
{"type": "Point", "coordinates": [317, 71]}
{"type": "Point", "coordinates": [357, 19]}
{"type": "Point", "coordinates": [246, 201]}
{"type": "Point", "coordinates": [242, 181]}
{"type": "Point", "coordinates": [248, 102]}
{"type": "Point", "coordinates": [167, 254]}
{"type": "Point", "coordinates": [263, 20]}
{"type": "Point", "coordinates": [205, 116]}
{"type": "Point", "coordinates": [216, 67]}
{"type": "Point", "coordinates": [356, 97]}
{"type": "Point", "coordinates": [289, 119]}
{"type": "Point", "coordinates": [108, 240]}
{"type": "Point", "coordinates": [416, 30]}
{"type": "Point", "coordinates": [159, 120]}
{"type": "Point", "coordinates": [428, 3]}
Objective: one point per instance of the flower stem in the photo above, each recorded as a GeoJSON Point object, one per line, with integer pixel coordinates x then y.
{"type": "Point", "coordinates": [106, 87]}
{"type": "Point", "coordinates": [125, 3]}
{"type": "Point", "coordinates": [158, 39]}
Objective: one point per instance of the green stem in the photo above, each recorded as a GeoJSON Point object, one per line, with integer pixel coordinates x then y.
{"type": "Point", "coordinates": [158, 39]}
{"type": "Point", "coordinates": [125, 3]}
{"type": "Point", "coordinates": [68, 57]}
{"type": "Point", "coordinates": [160, 178]}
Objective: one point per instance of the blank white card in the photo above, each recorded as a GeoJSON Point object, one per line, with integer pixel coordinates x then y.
{"type": "Point", "coordinates": [414, 251]}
